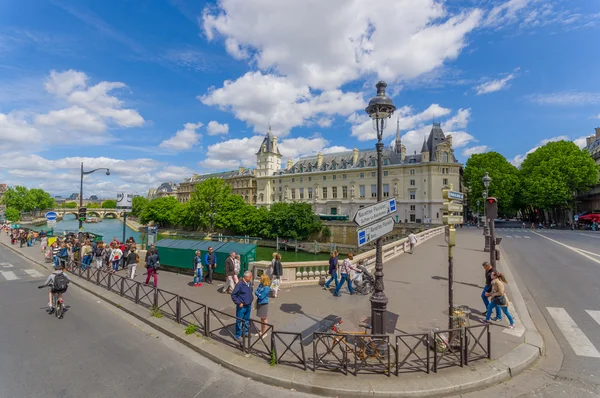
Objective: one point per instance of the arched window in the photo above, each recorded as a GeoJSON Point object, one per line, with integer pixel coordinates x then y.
{"type": "Point", "coordinates": [386, 161]}
{"type": "Point", "coordinates": [310, 167]}
{"type": "Point", "coordinates": [262, 197]}
{"type": "Point", "coordinates": [445, 157]}
{"type": "Point", "coordinates": [334, 166]}
{"type": "Point", "coordinates": [361, 163]}
{"type": "Point", "coordinates": [372, 163]}
{"type": "Point", "coordinates": [301, 169]}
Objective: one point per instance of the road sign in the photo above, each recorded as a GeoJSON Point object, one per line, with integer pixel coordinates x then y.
{"type": "Point", "coordinates": [452, 195]}
{"type": "Point", "coordinates": [452, 207]}
{"type": "Point", "coordinates": [452, 220]}
{"type": "Point", "coordinates": [450, 236]}
{"type": "Point", "coordinates": [375, 230]}
{"type": "Point", "coordinates": [372, 213]}
{"type": "Point", "coordinates": [51, 216]}
{"type": "Point", "coordinates": [576, 218]}
{"type": "Point", "coordinates": [51, 223]}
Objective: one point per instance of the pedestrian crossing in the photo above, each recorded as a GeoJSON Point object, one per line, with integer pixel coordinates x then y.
{"type": "Point", "coordinates": [575, 336]}
{"type": "Point", "coordinates": [16, 274]}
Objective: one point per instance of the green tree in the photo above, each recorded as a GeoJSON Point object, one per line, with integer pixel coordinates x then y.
{"type": "Point", "coordinates": [206, 203]}
{"type": "Point", "coordinates": [93, 205]}
{"type": "Point", "coordinates": [18, 198]}
{"type": "Point", "coordinates": [505, 183]}
{"type": "Point", "coordinates": [41, 199]}
{"type": "Point", "coordinates": [163, 211]}
{"type": "Point", "coordinates": [292, 220]}
{"type": "Point", "coordinates": [69, 205]}
{"type": "Point", "coordinates": [109, 204]}
{"type": "Point", "coordinates": [138, 204]}
{"type": "Point", "coordinates": [12, 214]}
{"type": "Point", "coordinates": [553, 174]}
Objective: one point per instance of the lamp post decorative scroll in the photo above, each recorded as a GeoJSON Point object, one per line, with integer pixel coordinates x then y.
{"type": "Point", "coordinates": [380, 109]}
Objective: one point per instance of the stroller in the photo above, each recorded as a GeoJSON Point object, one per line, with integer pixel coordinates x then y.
{"type": "Point", "coordinates": [363, 281]}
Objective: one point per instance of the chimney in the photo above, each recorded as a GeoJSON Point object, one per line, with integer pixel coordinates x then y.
{"type": "Point", "coordinates": [354, 156]}
{"type": "Point", "coordinates": [290, 163]}
{"type": "Point", "coordinates": [597, 132]}
{"type": "Point", "coordinates": [319, 160]}
{"type": "Point", "coordinates": [274, 144]}
{"type": "Point", "coordinates": [241, 170]}
{"type": "Point", "coordinates": [590, 139]}
{"type": "Point", "coordinates": [449, 139]}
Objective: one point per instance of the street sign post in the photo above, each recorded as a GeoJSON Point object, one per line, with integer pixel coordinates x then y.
{"type": "Point", "coordinates": [51, 216]}
{"type": "Point", "coordinates": [51, 223]}
{"type": "Point", "coordinates": [452, 195]}
{"type": "Point", "coordinates": [376, 230]}
{"type": "Point", "coordinates": [452, 207]}
{"type": "Point", "coordinates": [375, 212]}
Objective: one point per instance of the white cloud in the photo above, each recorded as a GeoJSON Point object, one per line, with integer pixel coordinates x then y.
{"type": "Point", "coordinates": [215, 128]}
{"type": "Point", "coordinates": [72, 119]}
{"type": "Point", "coordinates": [460, 138]}
{"type": "Point", "coordinates": [494, 85]}
{"type": "Point", "coordinates": [183, 139]}
{"type": "Point", "coordinates": [188, 58]}
{"type": "Point", "coordinates": [565, 98]}
{"type": "Point", "coordinates": [324, 44]}
{"type": "Point", "coordinates": [580, 142]}
{"type": "Point", "coordinates": [506, 13]}
{"type": "Point", "coordinates": [16, 133]}
{"type": "Point", "coordinates": [474, 150]}
{"type": "Point", "coordinates": [263, 99]}
{"type": "Point", "coordinates": [518, 159]}
{"type": "Point", "coordinates": [596, 117]}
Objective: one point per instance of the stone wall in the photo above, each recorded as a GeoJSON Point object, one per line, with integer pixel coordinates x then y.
{"type": "Point", "coordinates": [344, 233]}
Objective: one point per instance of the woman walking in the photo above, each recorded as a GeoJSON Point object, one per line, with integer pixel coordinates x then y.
{"type": "Point", "coordinates": [262, 304]}
{"type": "Point", "coordinates": [498, 298]}
{"type": "Point", "coordinates": [132, 261]}
{"type": "Point", "coordinates": [333, 262]}
{"type": "Point", "coordinates": [277, 274]}
{"type": "Point", "coordinates": [345, 269]}
{"type": "Point", "coordinates": [237, 266]}
{"type": "Point", "coordinates": [197, 269]}
{"type": "Point", "coordinates": [115, 257]}
{"type": "Point", "coordinates": [99, 255]}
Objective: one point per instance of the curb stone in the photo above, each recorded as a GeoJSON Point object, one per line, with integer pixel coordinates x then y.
{"type": "Point", "coordinates": [482, 376]}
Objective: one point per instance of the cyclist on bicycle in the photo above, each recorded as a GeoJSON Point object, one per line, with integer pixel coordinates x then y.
{"type": "Point", "coordinates": [57, 281]}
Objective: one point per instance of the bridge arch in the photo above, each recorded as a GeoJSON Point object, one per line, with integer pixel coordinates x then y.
{"type": "Point", "coordinates": [111, 213]}
{"type": "Point", "coordinates": [70, 212]}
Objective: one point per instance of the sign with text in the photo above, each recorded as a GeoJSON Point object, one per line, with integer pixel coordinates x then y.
{"type": "Point", "coordinates": [452, 195]}
{"type": "Point", "coordinates": [450, 220]}
{"type": "Point", "coordinates": [376, 230]}
{"type": "Point", "coordinates": [452, 207]}
{"type": "Point", "coordinates": [124, 200]}
{"type": "Point", "coordinates": [372, 213]}
{"type": "Point", "coordinates": [51, 216]}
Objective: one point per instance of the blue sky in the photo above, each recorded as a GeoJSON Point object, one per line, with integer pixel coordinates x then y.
{"type": "Point", "coordinates": [161, 89]}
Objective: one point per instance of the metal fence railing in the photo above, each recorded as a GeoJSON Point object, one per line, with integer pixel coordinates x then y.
{"type": "Point", "coordinates": [337, 352]}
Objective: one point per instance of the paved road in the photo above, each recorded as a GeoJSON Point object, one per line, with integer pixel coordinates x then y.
{"type": "Point", "coordinates": [561, 269]}
{"type": "Point", "coordinates": [96, 350]}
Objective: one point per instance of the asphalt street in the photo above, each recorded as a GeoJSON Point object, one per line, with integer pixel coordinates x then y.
{"type": "Point", "coordinates": [96, 350]}
{"type": "Point", "coordinates": [561, 269]}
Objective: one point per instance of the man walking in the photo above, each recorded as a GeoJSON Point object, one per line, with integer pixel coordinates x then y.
{"type": "Point", "coordinates": [488, 288]}
{"type": "Point", "coordinates": [242, 297]}
{"type": "Point", "coordinates": [229, 273]}
{"type": "Point", "coordinates": [412, 240]}
{"type": "Point", "coordinates": [210, 261]}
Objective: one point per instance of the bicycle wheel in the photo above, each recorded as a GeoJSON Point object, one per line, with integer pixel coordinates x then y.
{"type": "Point", "coordinates": [59, 309]}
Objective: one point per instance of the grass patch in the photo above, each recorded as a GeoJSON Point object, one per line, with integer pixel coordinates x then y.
{"type": "Point", "coordinates": [155, 312]}
{"type": "Point", "coordinates": [191, 329]}
{"type": "Point", "coordinates": [273, 360]}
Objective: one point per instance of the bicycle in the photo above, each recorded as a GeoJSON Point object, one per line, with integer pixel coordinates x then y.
{"type": "Point", "coordinates": [58, 305]}
{"type": "Point", "coordinates": [366, 347]}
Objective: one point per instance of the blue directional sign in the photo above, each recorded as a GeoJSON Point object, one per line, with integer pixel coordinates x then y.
{"type": "Point", "coordinates": [51, 216]}
{"type": "Point", "coordinates": [362, 237]}
{"type": "Point", "coordinates": [392, 205]}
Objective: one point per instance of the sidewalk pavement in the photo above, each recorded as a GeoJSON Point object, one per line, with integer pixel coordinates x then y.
{"type": "Point", "coordinates": [417, 288]}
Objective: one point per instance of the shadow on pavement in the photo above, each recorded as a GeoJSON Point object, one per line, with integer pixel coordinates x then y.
{"type": "Point", "coordinates": [442, 278]}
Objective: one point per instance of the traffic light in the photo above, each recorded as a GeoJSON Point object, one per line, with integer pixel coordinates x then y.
{"type": "Point", "coordinates": [82, 213]}
{"type": "Point", "coordinates": [491, 208]}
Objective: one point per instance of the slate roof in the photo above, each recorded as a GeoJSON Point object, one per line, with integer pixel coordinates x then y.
{"type": "Point", "coordinates": [222, 175]}
{"type": "Point", "coordinates": [268, 142]}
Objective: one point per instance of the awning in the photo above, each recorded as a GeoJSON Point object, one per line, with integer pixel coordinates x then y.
{"type": "Point", "coordinates": [590, 217]}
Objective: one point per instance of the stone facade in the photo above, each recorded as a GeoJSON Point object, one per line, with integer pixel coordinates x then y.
{"type": "Point", "coordinates": [342, 183]}
{"type": "Point", "coordinates": [242, 182]}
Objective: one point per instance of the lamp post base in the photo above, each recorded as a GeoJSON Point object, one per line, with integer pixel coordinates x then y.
{"type": "Point", "coordinates": [378, 314]}
{"type": "Point", "coordinates": [487, 243]}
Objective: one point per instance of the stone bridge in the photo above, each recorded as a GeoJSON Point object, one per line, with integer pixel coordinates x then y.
{"type": "Point", "coordinates": [100, 213]}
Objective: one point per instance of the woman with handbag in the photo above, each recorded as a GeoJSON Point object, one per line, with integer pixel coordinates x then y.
{"type": "Point", "coordinates": [277, 274]}
{"type": "Point", "coordinates": [498, 298]}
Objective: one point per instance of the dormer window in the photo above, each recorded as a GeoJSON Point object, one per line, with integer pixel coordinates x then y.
{"type": "Point", "coordinates": [301, 169]}
{"type": "Point", "coordinates": [445, 157]}
{"type": "Point", "coordinates": [361, 163]}
{"type": "Point", "coordinates": [386, 161]}
{"type": "Point", "coordinates": [334, 166]}
{"type": "Point", "coordinates": [372, 163]}
{"type": "Point", "coordinates": [344, 164]}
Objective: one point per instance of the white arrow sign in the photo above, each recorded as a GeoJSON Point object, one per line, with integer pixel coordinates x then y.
{"type": "Point", "coordinates": [7, 265]}
{"type": "Point", "coordinates": [372, 213]}
{"type": "Point", "coordinates": [374, 231]}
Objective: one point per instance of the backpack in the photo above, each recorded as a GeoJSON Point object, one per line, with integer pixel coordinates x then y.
{"type": "Point", "coordinates": [64, 252]}
{"type": "Point", "coordinates": [60, 283]}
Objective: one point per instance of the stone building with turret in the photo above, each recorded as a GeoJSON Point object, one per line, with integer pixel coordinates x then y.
{"type": "Point", "coordinates": [342, 183]}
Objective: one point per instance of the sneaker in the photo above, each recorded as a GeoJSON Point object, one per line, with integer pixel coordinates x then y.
{"type": "Point", "coordinates": [484, 322]}
{"type": "Point", "coordinates": [199, 284]}
{"type": "Point", "coordinates": [195, 285]}
{"type": "Point", "coordinates": [325, 287]}
{"type": "Point", "coordinates": [496, 319]}
{"type": "Point", "coordinates": [256, 334]}
{"type": "Point", "coordinates": [512, 327]}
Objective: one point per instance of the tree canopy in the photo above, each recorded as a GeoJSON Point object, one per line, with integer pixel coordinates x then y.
{"type": "Point", "coordinates": [12, 214]}
{"type": "Point", "coordinates": [137, 205]}
{"type": "Point", "coordinates": [109, 204]}
{"type": "Point", "coordinates": [27, 200]}
{"type": "Point", "coordinates": [505, 181]}
{"type": "Point", "coordinates": [163, 211]}
{"type": "Point", "coordinates": [553, 173]}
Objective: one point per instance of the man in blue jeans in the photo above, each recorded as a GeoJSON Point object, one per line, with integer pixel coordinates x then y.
{"type": "Point", "coordinates": [242, 297]}
{"type": "Point", "coordinates": [488, 288]}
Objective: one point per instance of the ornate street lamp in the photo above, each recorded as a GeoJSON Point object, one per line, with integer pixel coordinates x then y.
{"type": "Point", "coordinates": [81, 191]}
{"type": "Point", "coordinates": [486, 226]}
{"type": "Point", "coordinates": [380, 109]}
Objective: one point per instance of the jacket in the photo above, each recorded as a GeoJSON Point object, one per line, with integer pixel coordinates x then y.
{"type": "Point", "coordinates": [152, 260]}
{"type": "Point", "coordinates": [488, 279]}
{"type": "Point", "coordinates": [197, 263]}
{"type": "Point", "coordinates": [210, 259]}
{"type": "Point", "coordinates": [262, 294]}
{"type": "Point", "coordinates": [132, 258]}
{"type": "Point", "coordinates": [86, 250]}
{"type": "Point", "coordinates": [229, 267]}
{"type": "Point", "coordinates": [347, 266]}
{"type": "Point", "coordinates": [333, 262]}
{"type": "Point", "coordinates": [116, 254]}
{"type": "Point", "coordinates": [498, 290]}
{"type": "Point", "coordinates": [277, 268]}
{"type": "Point", "coordinates": [242, 294]}
{"type": "Point", "coordinates": [50, 280]}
